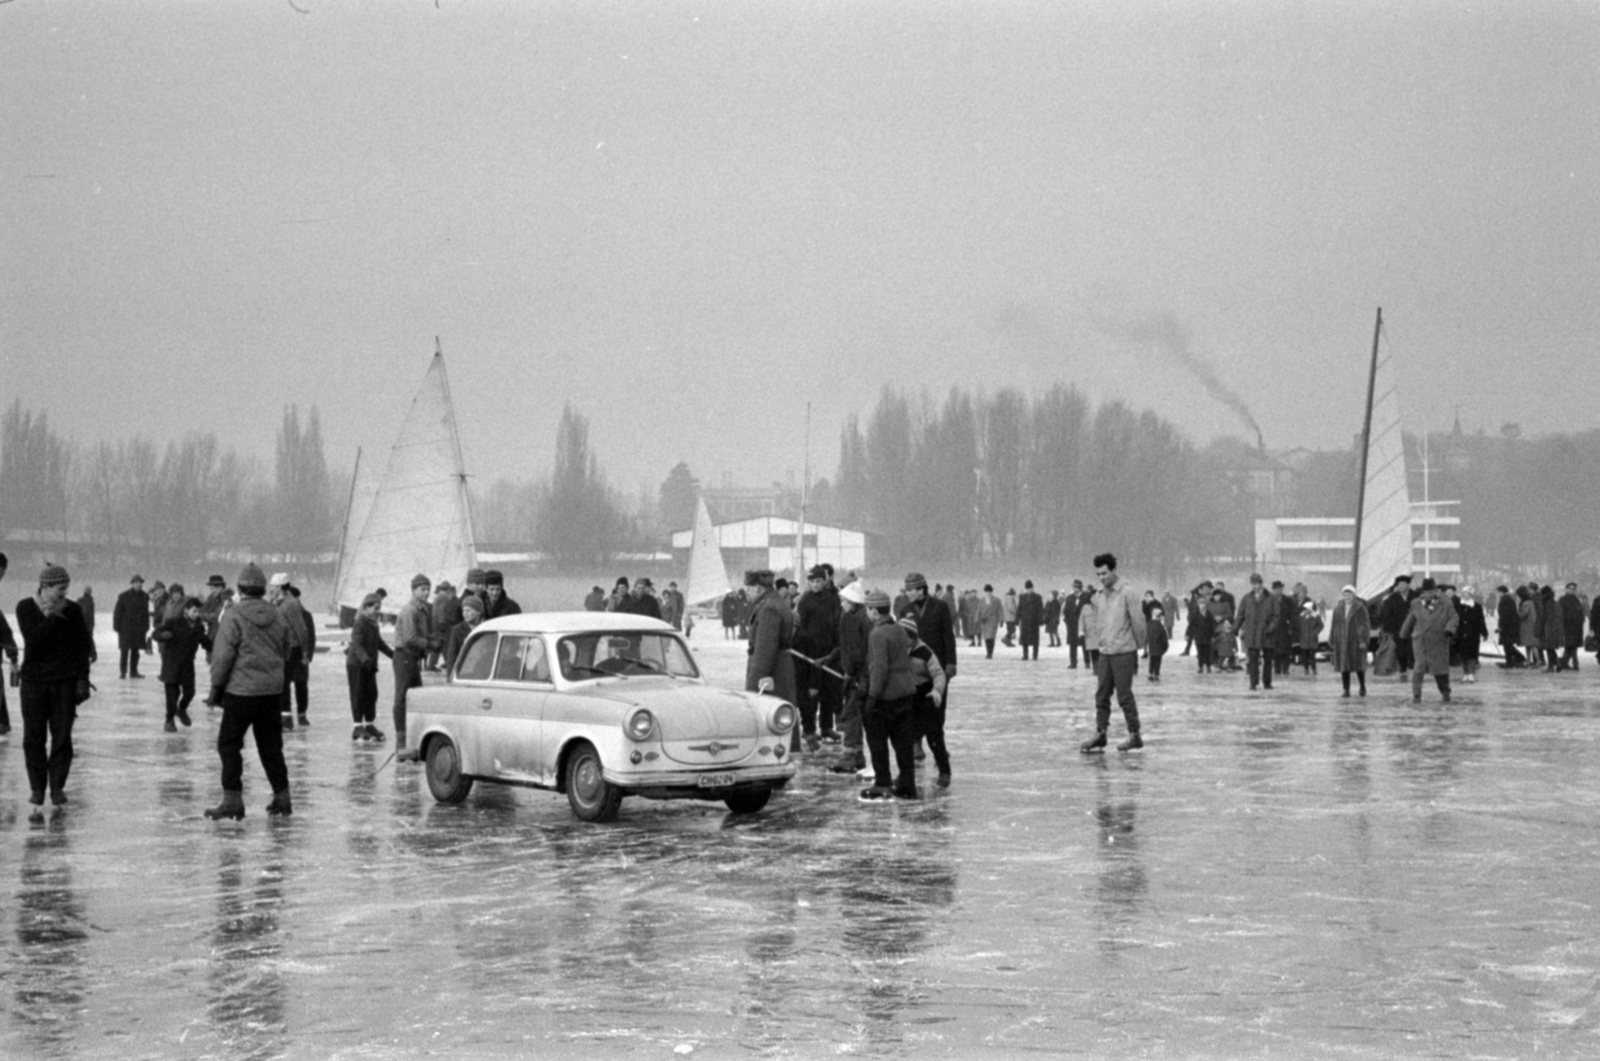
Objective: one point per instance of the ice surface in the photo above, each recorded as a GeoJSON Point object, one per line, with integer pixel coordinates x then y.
{"type": "Point", "coordinates": [1283, 875]}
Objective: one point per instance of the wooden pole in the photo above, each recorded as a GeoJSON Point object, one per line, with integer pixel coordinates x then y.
{"type": "Point", "coordinates": [1366, 445]}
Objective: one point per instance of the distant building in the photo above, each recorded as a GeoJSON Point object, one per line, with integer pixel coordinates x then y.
{"type": "Point", "coordinates": [772, 542]}
{"type": "Point", "coordinates": [1324, 546]}
{"type": "Point", "coordinates": [728, 503]}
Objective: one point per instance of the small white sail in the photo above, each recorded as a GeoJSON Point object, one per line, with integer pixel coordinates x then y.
{"type": "Point", "coordinates": [1385, 529]}
{"type": "Point", "coordinates": [417, 518]}
{"type": "Point", "coordinates": [708, 575]}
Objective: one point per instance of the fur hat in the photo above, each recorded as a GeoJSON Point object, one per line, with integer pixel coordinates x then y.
{"type": "Point", "coordinates": [492, 577]}
{"type": "Point", "coordinates": [420, 580]}
{"type": "Point", "coordinates": [763, 577]}
{"type": "Point", "coordinates": [817, 571]}
{"type": "Point", "coordinates": [252, 576]}
{"type": "Point", "coordinates": [54, 575]}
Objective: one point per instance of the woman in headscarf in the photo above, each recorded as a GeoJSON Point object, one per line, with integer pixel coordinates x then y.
{"type": "Point", "coordinates": [1349, 630]}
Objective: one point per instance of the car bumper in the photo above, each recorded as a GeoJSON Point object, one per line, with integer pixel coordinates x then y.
{"type": "Point", "coordinates": [670, 784]}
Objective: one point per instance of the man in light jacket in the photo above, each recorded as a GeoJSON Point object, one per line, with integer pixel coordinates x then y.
{"type": "Point", "coordinates": [247, 678]}
{"type": "Point", "coordinates": [1117, 633]}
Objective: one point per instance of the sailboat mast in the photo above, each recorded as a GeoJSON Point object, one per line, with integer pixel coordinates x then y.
{"type": "Point", "coordinates": [1366, 445]}
{"type": "Point", "coordinates": [344, 534]}
{"type": "Point", "coordinates": [461, 464]}
{"type": "Point", "coordinates": [805, 490]}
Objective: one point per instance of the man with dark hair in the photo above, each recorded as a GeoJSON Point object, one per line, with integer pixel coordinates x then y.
{"type": "Point", "coordinates": [413, 631]}
{"type": "Point", "coordinates": [770, 667]}
{"type": "Point", "coordinates": [1288, 625]}
{"type": "Point", "coordinates": [1117, 633]}
{"type": "Point", "coordinates": [131, 620]}
{"type": "Point", "coordinates": [935, 629]}
{"type": "Point", "coordinates": [642, 601]}
{"type": "Point", "coordinates": [1391, 613]}
{"type": "Point", "coordinates": [1052, 618]}
{"type": "Point", "coordinates": [446, 614]}
{"type": "Point", "coordinates": [991, 613]}
{"type": "Point", "coordinates": [888, 712]}
{"type": "Point", "coordinates": [302, 645]}
{"type": "Point", "coordinates": [496, 603]}
{"type": "Point", "coordinates": [1571, 627]}
{"type": "Point", "coordinates": [1258, 629]}
{"type": "Point", "coordinates": [361, 667]}
{"type": "Point", "coordinates": [54, 680]}
{"type": "Point", "coordinates": [217, 599]}
{"type": "Point", "coordinates": [816, 636]}
{"type": "Point", "coordinates": [851, 655]}
{"type": "Point", "coordinates": [247, 678]}
{"type": "Point", "coordinates": [1508, 627]}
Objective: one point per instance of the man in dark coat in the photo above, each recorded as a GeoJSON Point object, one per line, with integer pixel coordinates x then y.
{"type": "Point", "coordinates": [816, 635]}
{"type": "Point", "coordinates": [8, 648]}
{"type": "Point", "coordinates": [1030, 616]}
{"type": "Point", "coordinates": [1283, 636]}
{"type": "Point", "coordinates": [86, 606]}
{"type": "Point", "coordinates": [496, 603]}
{"type": "Point", "coordinates": [1071, 609]}
{"type": "Point", "coordinates": [1258, 629]}
{"type": "Point", "coordinates": [54, 680]}
{"type": "Point", "coordinates": [770, 667]}
{"type": "Point", "coordinates": [1392, 614]}
{"type": "Point", "coordinates": [131, 620]}
{"type": "Point", "coordinates": [1509, 628]}
{"type": "Point", "coordinates": [642, 601]}
{"type": "Point", "coordinates": [936, 628]}
{"type": "Point", "coordinates": [1431, 625]}
{"type": "Point", "coordinates": [1571, 626]}
{"type": "Point", "coordinates": [181, 636]}
{"type": "Point", "coordinates": [595, 601]}
{"type": "Point", "coordinates": [1052, 618]}
{"type": "Point", "coordinates": [446, 615]}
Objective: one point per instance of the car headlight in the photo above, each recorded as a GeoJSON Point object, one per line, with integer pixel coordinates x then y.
{"type": "Point", "coordinates": [641, 725]}
{"type": "Point", "coordinates": [782, 718]}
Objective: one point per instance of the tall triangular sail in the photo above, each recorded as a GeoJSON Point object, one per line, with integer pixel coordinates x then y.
{"type": "Point", "coordinates": [1383, 528]}
{"type": "Point", "coordinates": [708, 575]}
{"type": "Point", "coordinates": [418, 518]}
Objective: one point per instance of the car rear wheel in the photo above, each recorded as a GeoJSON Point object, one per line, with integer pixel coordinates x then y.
{"type": "Point", "coordinates": [444, 772]}
{"type": "Point", "coordinates": [593, 798]}
{"type": "Point", "coordinates": [748, 802]}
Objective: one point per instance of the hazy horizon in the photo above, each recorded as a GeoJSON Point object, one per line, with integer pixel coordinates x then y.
{"type": "Point", "coordinates": [689, 220]}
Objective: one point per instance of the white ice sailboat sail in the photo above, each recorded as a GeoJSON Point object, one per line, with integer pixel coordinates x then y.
{"type": "Point", "coordinates": [1383, 522]}
{"type": "Point", "coordinates": [708, 575]}
{"type": "Point", "coordinates": [417, 518]}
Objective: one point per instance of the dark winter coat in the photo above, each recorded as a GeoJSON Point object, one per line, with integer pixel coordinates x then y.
{"type": "Point", "coordinates": [1571, 621]}
{"type": "Point", "coordinates": [816, 631]}
{"type": "Point", "coordinates": [1155, 637]}
{"type": "Point", "coordinates": [131, 618]}
{"type": "Point", "coordinates": [446, 614]}
{"type": "Point", "coordinates": [1527, 622]}
{"type": "Point", "coordinates": [1552, 632]}
{"type": "Point", "coordinates": [1431, 630]}
{"type": "Point", "coordinates": [1052, 613]}
{"type": "Point", "coordinates": [1258, 621]}
{"type": "Point", "coordinates": [55, 648]}
{"type": "Point", "coordinates": [1288, 629]}
{"type": "Point", "coordinates": [889, 674]}
{"type": "Point", "coordinates": [1071, 608]}
{"type": "Point", "coordinates": [182, 640]}
{"type": "Point", "coordinates": [850, 658]}
{"type": "Point", "coordinates": [455, 642]}
{"type": "Point", "coordinates": [1472, 628]}
{"type": "Point", "coordinates": [1310, 630]}
{"type": "Point", "coordinates": [1201, 625]}
{"type": "Point", "coordinates": [1506, 618]}
{"type": "Point", "coordinates": [86, 606]}
{"type": "Point", "coordinates": [1030, 616]}
{"type": "Point", "coordinates": [251, 648]}
{"type": "Point", "coordinates": [936, 630]}
{"type": "Point", "coordinates": [366, 645]}
{"type": "Point", "coordinates": [771, 636]}
{"type": "Point", "coordinates": [1349, 631]}
{"type": "Point", "coordinates": [1392, 612]}
{"type": "Point", "coordinates": [494, 609]}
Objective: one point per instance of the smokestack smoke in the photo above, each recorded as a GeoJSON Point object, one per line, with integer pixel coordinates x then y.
{"type": "Point", "coordinates": [1167, 334]}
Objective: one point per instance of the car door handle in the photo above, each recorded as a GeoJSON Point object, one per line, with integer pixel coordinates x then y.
{"type": "Point", "coordinates": [486, 703]}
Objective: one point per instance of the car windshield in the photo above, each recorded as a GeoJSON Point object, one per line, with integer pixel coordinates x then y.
{"type": "Point", "coordinates": [627, 654]}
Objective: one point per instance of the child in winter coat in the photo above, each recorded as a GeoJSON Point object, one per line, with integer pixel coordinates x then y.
{"type": "Point", "coordinates": [181, 636]}
{"type": "Point", "coordinates": [928, 712]}
{"type": "Point", "coordinates": [1310, 635]}
{"type": "Point", "coordinates": [361, 670]}
{"type": "Point", "coordinates": [1225, 645]}
{"type": "Point", "coordinates": [1155, 640]}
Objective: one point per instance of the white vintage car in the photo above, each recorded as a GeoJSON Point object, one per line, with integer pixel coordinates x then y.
{"type": "Point", "coordinates": [599, 706]}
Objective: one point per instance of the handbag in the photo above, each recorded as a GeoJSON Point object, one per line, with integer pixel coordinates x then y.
{"type": "Point", "coordinates": [1590, 644]}
{"type": "Point", "coordinates": [1386, 661]}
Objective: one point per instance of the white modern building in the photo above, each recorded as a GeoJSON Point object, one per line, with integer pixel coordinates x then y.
{"type": "Point", "coordinates": [1324, 546]}
{"type": "Point", "coordinates": [775, 543]}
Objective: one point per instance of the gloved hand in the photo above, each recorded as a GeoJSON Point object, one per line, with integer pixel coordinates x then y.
{"type": "Point", "coordinates": [81, 693]}
{"type": "Point", "coordinates": [214, 698]}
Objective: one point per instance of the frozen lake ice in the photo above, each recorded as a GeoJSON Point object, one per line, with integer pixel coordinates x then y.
{"type": "Point", "coordinates": [1283, 874]}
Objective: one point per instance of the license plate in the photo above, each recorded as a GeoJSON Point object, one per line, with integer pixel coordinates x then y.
{"type": "Point", "coordinates": [715, 780]}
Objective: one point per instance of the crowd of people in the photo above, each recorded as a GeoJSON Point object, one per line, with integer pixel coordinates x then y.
{"type": "Point", "coordinates": [870, 674]}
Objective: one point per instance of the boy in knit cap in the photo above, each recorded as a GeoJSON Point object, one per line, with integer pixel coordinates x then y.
{"type": "Point", "coordinates": [180, 637]}
{"type": "Point", "coordinates": [413, 631]}
{"type": "Point", "coordinates": [361, 670]}
{"type": "Point", "coordinates": [247, 677]}
{"type": "Point", "coordinates": [887, 715]}
{"type": "Point", "coordinates": [471, 615]}
{"type": "Point", "coordinates": [54, 681]}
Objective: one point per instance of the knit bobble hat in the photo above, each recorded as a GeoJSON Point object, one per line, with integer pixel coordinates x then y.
{"type": "Point", "coordinates": [877, 599]}
{"type": "Point", "coordinates": [420, 580]}
{"type": "Point", "coordinates": [54, 575]}
{"type": "Point", "coordinates": [473, 603]}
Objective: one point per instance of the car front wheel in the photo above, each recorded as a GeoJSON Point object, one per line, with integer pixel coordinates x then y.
{"type": "Point", "coordinates": [748, 802]}
{"type": "Point", "coordinates": [444, 772]}
{"type": "Point", "coordinates": [593, 798]}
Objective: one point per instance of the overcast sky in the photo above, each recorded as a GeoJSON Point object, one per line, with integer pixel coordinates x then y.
{"type": "Point", "coordinates": [690, 219]}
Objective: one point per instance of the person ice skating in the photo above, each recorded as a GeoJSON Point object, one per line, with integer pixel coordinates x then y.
{"type": "Point", "coordinates": [1349, 633]}
{"type": "Point", "coordinates": [130, 618]}
{"type": "Point", "coordinates": [247, 677]}
{"type": "Point", "coordinates": [54, 680]}
{"type": "Point", "coordinates": [936, 631]}
{"type": "Point", "coordinates": [181, 637]}
{"type": "Point", "coordinates": [927, 708]}
{"type": "Point", "coordinates": [361, 666]}
{"type": "Point", "coordinates": [769, 667]}
{"type": "Point", "coordinates": [413, 631]}
{"type": "Point", "coordinates": [1430, 627]}
{"type": "Point", "coordinates": [1156, 640]}
{"type": "Point", "coordinates": [888, 712]}
{"type": "Point", "coordinates": [1117, 633]}
{"type": "Point", "coordinates": [850, 658]}
{"type": "Point", "coordinates": [294, 614]}
{"type": "Point", "coordinates": [816, 635]}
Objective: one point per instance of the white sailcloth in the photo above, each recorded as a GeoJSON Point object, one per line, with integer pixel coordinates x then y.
{"type": "Point", "coordinates": [708, 575]}
{"type": "Point", "coordinates": [417, 519]}
{"type": "Point", "coordinates": [1386, 511]}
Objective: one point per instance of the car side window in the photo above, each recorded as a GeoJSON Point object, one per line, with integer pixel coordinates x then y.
{"type": "Point", "coordinates": [535, 664]}
{"type": "Point", "coordinates": [508, 666]}
{"type": "Point", "coordinates": [476, 659]}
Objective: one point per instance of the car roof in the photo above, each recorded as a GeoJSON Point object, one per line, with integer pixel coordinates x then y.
{"type": "Point", "coordinates": [573, 623]}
